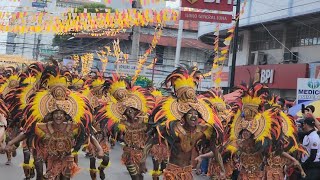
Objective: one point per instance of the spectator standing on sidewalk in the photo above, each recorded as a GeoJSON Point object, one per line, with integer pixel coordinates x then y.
{"type": "Point", "coordinates": [311, 142]}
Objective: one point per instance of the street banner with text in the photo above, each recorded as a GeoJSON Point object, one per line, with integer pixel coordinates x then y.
{"type": "Point", "coordinates": [206, 17]}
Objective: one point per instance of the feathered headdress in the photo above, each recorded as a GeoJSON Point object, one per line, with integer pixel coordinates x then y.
{"type": "Point", "coordinates": [116, 87]}
{"type": "Point", "coordinates": [11, 83]}
{"type": "Point", "coordinates": [137, 98]}
{"type": "Point", "coordinates": [173, 109]}
{"type": "Point", "coordinates": [57, 96]}
{"type": "Point", "coordinates": [260, 123]}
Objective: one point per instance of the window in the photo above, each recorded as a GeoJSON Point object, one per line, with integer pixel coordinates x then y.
{"type": "Point", "coordinates": [240, 43]}
{"type": "Point", "coordinates": [160, 54]}
{"type": "Point", "coordinates": [304, 35]}
{"type": "Point", "coordinates": [262, 40]}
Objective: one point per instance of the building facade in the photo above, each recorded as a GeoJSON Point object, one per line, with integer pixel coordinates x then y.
{"type": "Point", "coordinates": [274, 33]}
{"type": "Point", "coordinates": [193, 52]}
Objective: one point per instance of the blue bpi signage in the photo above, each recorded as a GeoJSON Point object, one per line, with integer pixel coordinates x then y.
{"type": "Point", "coordinates": [308, 89]}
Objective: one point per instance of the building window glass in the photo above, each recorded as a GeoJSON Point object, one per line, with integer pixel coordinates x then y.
{"type": "Point", "coordinates": [240, 43]}
{"type": "Point", "coordinates": [159, 54]}
{"type": "Point", "coordinates": [304, 35]}
{"type": "Point", "coordinates": [262, 40]}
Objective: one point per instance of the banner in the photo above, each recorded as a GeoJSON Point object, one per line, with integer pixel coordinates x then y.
{"type": "Point", "coordinates": [308, 89]}
{"type": "Point", "coordinates": [219, 5]}
{"type": "Point", "coordinates": [206, 17]}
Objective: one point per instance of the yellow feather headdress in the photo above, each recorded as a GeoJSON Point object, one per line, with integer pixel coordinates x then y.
{"type": "Point", "coordinates": [185, 89]}
{"type": "Point", "coordinates": [57, 81]}
{"type": "Point", "coordinates": [11, 82]}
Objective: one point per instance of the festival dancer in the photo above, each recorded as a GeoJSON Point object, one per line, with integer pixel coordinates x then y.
{"type": "Point", "coordinates": [184, 121]}
{"type": "Point", "coordinates": [50, 144]}
{"type": "Point", "coordinates": [225, 114]}
{"type": "Point", "coordinates": [281, 157]}
{"type": "Point", "coordinates": [96, 96]}
{"type": "Point", "coordinates": [17, 100]}
{"type": "Point", "coordinates": [11, 82]}
{"type": "Point", "coordinates": [129, 107]}
{"type": "Point", "coordinates": [256, 134]}
{"type": "Point", "coordinates": [160, 150]}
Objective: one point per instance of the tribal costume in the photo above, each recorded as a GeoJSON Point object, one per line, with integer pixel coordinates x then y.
{"type": "Point", "coordinates": [94, 92]}
{"type": "Point", "coordinates": [11, 82]}
{"type": "Point", "coordinates": [225, 114]}
{"type": "Point", "coordinates": [160, 150]}
{"type": "Point", "coordinates": [18, 100]}
{"type": "Point", "coordinates": [184, 121]}
{"type": "Point", "coordinates": [258, 135]}
{"type": "Point", "coordinates": [277, 163]}
{"type": "Point", "coordinates": [55, 146]}
{"type": "Point", "coordinates": [129, 107]}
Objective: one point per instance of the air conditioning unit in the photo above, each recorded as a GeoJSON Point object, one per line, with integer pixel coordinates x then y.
{"type": "Point", "coordinates": [295, 57]}
{"type": "Point", "coordinates": [286, 57]}
{"type": "Point", "coordinates": [258, 58]}
{"type": "Point", "coordinates": [290, 57]}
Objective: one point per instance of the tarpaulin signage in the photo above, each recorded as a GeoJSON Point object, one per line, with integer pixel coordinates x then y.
{"type": "Point", "coordinates": [308, 89]}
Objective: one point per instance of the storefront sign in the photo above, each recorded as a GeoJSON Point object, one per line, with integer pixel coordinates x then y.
{"type": "Point", "coordinates": [219, 5]}
{"type": "Point", "coordinates": [266, 76]}
{"type": "Point", "coordinates": [205, 17]}
{"type": "Point", "coordinates": [277, 76]}
{"type": "Point", "coordinates": [128, 69]}
{"type": "Point", "coordinates": [308, 89]}
{"type": "Point", "coordinates": [314, 70]}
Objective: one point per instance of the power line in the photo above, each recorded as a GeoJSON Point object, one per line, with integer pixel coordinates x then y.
{"type": "Point", "coordinates": [210, 24]}
{"type": "Point", "coordinates": [279, 41]}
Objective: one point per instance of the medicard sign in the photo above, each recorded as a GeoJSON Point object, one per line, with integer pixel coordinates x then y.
{"type": "Point", "coordinates": [308, 89]}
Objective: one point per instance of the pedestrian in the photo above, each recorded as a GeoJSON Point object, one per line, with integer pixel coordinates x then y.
{"type": "Point", "coordinates": [308, 112]}
{"type": "Point", "coordinates": [311, 142]}
{"type": "Point", "coordinates": [3, 126]}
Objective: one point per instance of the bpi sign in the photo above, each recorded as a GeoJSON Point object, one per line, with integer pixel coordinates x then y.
{"type": "Point", "coordinates": [220, 5]}
{"type": "Point", "coordinates": [266, 76]}
{"type": "Point", "coordinates": [308, 89]}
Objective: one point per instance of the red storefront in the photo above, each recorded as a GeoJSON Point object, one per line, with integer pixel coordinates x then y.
{"type": "Point", "coordinates": [277, 76]}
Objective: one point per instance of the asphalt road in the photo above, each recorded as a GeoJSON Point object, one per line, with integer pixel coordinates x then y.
{"type": "Point", "coordinates": [116, 171]}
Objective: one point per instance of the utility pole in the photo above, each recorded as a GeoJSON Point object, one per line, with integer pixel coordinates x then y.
{"type": "Point", "coordinates": [235, 47]}
{"type": "Point", "coordinates": [38, 47]}
{"type": "Point", "coordinates": [179, 40]}
{"type": "Point", "coordinates": [136, 34]}
{"type": "Point", "coordinates": [153, 67]}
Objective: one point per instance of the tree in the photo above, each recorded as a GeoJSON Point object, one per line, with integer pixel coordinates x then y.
{"type": "Point", "coordinates": [141, 81]}
{"type": "Point", "coordinates": [94, 8]}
